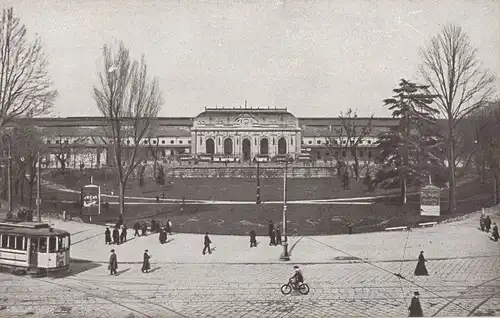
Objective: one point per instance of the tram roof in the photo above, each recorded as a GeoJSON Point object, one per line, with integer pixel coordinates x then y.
{"type": "Point", "coordinates": [30, 229]}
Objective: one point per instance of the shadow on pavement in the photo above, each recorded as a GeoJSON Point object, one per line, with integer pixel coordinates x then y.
{"type": "Point", "coordinates": [154, 269]}
{"type": "Point", "coordinates": [122, 271]}
{"type": "Point", "coordinates": [77, 266]}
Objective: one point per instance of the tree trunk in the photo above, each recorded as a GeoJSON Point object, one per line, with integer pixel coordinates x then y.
{"type": "Point", "coordinates": [356, 167]}
{"type": "Point", "coordinates": [451, 168]}
{"type": "Point", "coordinates": [122, 196]}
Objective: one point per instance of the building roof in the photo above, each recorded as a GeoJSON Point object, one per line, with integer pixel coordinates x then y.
{"type": "Point", "coordinates": [240, 110]}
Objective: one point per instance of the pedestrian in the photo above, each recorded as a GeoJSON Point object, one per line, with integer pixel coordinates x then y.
{"type": "Point", "coordinates": [137, 226]}
{"type": "Point", "coordinates": [116, 236]}
{"type": "Point", "coordinates": [253, 240]}
{"type": "Point", "coordinates": [107, 236]}
{"type": "Point", "coordinates": [169, 227]}
{"type": "Point", "coordinates": [113, 263]}
{"type": "Point", "coordinates": [145, 262]}
{"type": "Point", "coordinates": [119, 223]}
{"type": "Point", "coordinates": [494, 232]}
{"type": "Point", "coordinates": [206, 244]}
{"type": "Point", "coordinates": [271, 233]}
{"type": "Point", "coordinates": [487, 223]}
{"type": "Point", "coordinates": [415, 308]}
{"type": "Point", "coordinates": [350, 228]}
{"type": "Point", "coordinates": [481, 222]}
{"type": "Point", "coordinates": [158, 227]}
{"type": "Point", "coordinates": [163, 236]}
{"type": "Point", "coordinates": [153, 225]}
{"type": "Point", "coordinates": [278, 235]}
{"type": "Point", "coordinates": [123, 235]}
{"type": "Point", "coordinates": [144, 228]}
{"type": "Point", "coordinates": [421, 270]}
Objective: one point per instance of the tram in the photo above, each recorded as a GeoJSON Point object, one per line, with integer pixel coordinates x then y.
{"type": "Point", "coordinates": [28, 247]}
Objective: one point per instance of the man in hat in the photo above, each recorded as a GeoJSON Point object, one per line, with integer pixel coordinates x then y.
{"type": "Point", "coordinates": [145, 262]}
{"type": "Point", "coordinates": [113, 263]}
{"type": "Point", "coordinates": [494, 232]}
{"type": "Point", "coordinates": [272, 238]}
{"type": "Point", "coordinates": [107, 236]}
{"type": "Point", "coordinates": [278, 235]}
{"type": "Point", "coordinates": [123, 235]}
{"type": "Point", "coordinates": [415, 308]}
{"type": "Point", "coordinates": [297, 277]}
{"type": "Point", "coordinates": [253, 238]}
{"type": "Point", "coordinates": [116, 236]}
{"type": "Point", "coordinates": [137, 226]}
{"type": "Point", "coordinates": [206, 244]}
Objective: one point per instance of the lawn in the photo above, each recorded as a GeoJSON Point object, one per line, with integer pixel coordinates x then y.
{"type": "Point", "coordinates": [226, 189]}
{"type": "Point", "coordinates": [308, 219]}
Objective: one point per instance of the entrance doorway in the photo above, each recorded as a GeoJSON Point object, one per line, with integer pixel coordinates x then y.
{"type": "Point", "coordinates": [282, 146]}
{"type": "Point", "coordinates": [210, 146]}
{"type": "Point", "coordinates": [228, 146]}
{"type": "Point", "coordinates": [246, 148]}
{"type": "Point", "coordinates": [264, 146]}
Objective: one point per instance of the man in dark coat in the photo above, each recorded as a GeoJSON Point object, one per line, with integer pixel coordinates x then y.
{"type": "Point", "coordinates": [116, 236]}
{"type": "Point", "coordinates": [487, 223]}
{"type": "Point", "coordinates": [137, 226]}
{"type": "Point", "coordinates": [206, 244]}
{"type": "Point", "coordinates": [113, 263]}
{"type": "Point", "coordinates": [158, 227]}
{"type": "Point", "coordinates": [421, 270]}
{"type": "Point", "coordinates": [481, 222]}
{"type": "Point", "coordinates": [415, 308]}
{"type": "Point", "coordinates": [278, 235]}
{"type": "Point", "coordinates": [123, 235]}
{"type": "Point", "coordinates": [153, 225]}
{"type": "Point", "coordinates": [494, 232]}
{"type": "Point", "coordinates": [145, 262]}
{"type": "Point", "coordinates": [144, 228]}
{"type": "Point", "coordinates": [253, 239]}
{"type": "Point", "coordinates": [272, 240]}
{"type": "Point", "coordinates": [163, 236]}
{"type": "Point", "coordinates": [107, 236]}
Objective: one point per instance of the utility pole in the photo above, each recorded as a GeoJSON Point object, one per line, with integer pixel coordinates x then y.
{"type": "Point", "coordinates": [258, 184]}
{"type": "Point", "coordinates": [38, 188]}
{"type": "Point", "coordinates": [285, 256]}
{"type": "Point", "coordinates": [9, 175]}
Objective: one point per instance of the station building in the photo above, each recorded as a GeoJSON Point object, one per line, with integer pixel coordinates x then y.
{"type": "Point", "coordinates": [241, 133]}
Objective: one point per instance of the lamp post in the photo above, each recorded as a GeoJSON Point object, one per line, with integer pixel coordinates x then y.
{"type": "Point", "coordinates": [38, 188]}
{"type": "Point", "coordinates": [258, 184]}
{"type": "Point", "coordinates": [285, 256]}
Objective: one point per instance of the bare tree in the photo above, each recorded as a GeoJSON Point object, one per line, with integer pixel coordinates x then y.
{"type": "Point", "coordinates": [451, 68]}
{"type": "Point", "coordinates": [129, 101]}
{"type": "Point", "coordinates": [25, 87]}
{"type": "Point", "coordinates": [348, 138]}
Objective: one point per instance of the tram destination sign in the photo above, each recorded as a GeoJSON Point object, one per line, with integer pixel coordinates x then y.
{"type": "Point", "coordinates": [430, 201]}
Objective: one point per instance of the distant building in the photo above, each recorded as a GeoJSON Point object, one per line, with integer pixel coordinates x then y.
{"type": "Point", "coordinates": [242, 133]}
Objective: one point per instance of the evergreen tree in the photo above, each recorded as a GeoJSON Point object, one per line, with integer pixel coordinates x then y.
{"type": "Point", "coordinates": [412, 151]}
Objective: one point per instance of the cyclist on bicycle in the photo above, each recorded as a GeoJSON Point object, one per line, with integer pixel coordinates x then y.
{"type": "Point", "coordinates": [297, 278]}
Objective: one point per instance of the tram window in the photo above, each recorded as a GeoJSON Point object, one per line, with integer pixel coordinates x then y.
{"type": "Point", "coordinates": [43, 245]}
{"type": "Point", "coordinates": [34, 244]}
{"type": "Point", "coordinates": [4, 241]}
{"type": "Point", "coordinates": [12, 241]}
{"type": "Point", "coordinates": [19, 243]}
{"type": "Point", "coordinates": [52, 244]}
{"type": "Point", "coordinates": [62, 243]}
{"type": "Point", "coordinates": [25, 244]}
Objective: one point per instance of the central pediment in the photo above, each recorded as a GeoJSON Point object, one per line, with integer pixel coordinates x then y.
{"type": "Point", "coordinates": [245, 120]}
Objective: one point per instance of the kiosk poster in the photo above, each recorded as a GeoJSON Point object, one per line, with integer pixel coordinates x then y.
{"type": "Point", "coordinates": [91, 200]}
{"type": "Point", "coordinates": [430, 201]}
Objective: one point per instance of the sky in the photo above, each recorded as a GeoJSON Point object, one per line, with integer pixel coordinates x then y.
{"type": "Point", "coordinates": [317, 58]}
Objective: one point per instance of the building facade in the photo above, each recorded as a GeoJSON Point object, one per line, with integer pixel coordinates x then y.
{"type": "Point", "coordinates": [242, 133]}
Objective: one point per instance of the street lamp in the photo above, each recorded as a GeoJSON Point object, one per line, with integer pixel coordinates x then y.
{"type": "Point", "coordinates": [285, 256]}
{"type": "Point", "coordinates": [258, 184]}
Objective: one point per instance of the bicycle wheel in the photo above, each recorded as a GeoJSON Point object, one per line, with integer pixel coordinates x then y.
{"type": "Point", "coordinates": [304, 289]}
{"type": "Point", "coordinates": [286, 289]}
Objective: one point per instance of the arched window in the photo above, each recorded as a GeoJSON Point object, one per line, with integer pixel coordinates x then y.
{"type": "Point", "coordinates": [210, 146]}
{"type": "Point", "coordinates": [282, 146]}
{"type": "Point", "coordinates": [264, 146]}
{"type": "Point", "coordinates": [228, 146]}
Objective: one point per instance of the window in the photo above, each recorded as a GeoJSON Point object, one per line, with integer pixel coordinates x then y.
{"type": "Point", "coordinates": [52, 244]}
{"type": "Point", "coordinates": [344, 142]}
{"type": "Point", "coordinates": [62, 243]}
{"type": "Point", "coordinates": [327, 142]}
{"type": "Point", "coordinates": [353, 153]}
{"type": "Point", "coordinates": [57, 142]}
{"type": "Point", "coordinates": [310, 142]}
{"type": "Point", "coordinates": [327, 153]}
{"type": "Point", "coordinates": [302, 141]}
{"type": "Point", "coordinates": [34, 244]}
{"type": "Point", "coordinates": [369, 142]}
{"type": "Point", "coordinates": [128, 142]}
{"type": "Point", "coordinates": [255, 141]}
{"type": "Point", "coordinates": [201, 141]}
{"type": "Point", "coordinates": [171, 142]}
{"type": "Point", "coordinates": [12, 242]}
{"type": "Point", "coordinates": [4, 241]}
{"type": "Point", "coordinates": [19, 243]}
{"type": "Point", "coordinates": [369, 154]}
{"type": "Point", "coordinates": [48, 141]}
{"type": "Point", "coordinates": [154, 142]}
{"type": "Point", "coordinates": [361, 153]}
{"type": "Point", "coordinates": [163, 153]}
{"type": "Point", "coordinates": [43, 245]}
{"type": "Point", "coordinates": [318, 142]}
{"type": "Point", "coordinates": [163, 142]}
{"type": "Point", "coordinates": [145, 142]}
{"type": "Point", "coordinates": [274, 141]}
{"type": "Point", "coordinates": [189, 141]}
{"type": "Point", "coordinates": [180, 142]}
{"type": "Point", "coordinates": [343, 154]}
{"type": "Point", "coordinates": [219, 141]}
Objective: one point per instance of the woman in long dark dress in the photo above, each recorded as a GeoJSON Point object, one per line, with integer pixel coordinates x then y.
{"type": "Point", "coordinates": [145, 263]}
{"type": "Point", "coordinates": [116, 236]}
{"type": "Point", "coordinates": [421, 270]}
{"type": "Point", "coordinates": [163, 235]}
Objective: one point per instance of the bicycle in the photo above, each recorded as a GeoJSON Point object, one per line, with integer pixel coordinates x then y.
{"type": "Point", "coordinates": [303, 288]}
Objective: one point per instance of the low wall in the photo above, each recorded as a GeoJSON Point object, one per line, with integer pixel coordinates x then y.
{"type": "Point", "coordinates": [250, 172]}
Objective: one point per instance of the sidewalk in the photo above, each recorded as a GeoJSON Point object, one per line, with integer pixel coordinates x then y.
{"type": "Point", "coordinates": [458, 239]}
